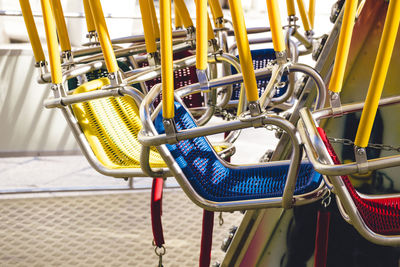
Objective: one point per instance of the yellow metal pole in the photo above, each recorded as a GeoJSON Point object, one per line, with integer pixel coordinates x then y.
{"type": "Point", "coordinates": [201, 34]}
{"type": "Point", "coordinates": [379, 73]}
{"type": "Point", "coordinates": [32, 31]}
{"type": "Point", "coordinates": [148, 28]}
{"type": "Point", "coordinates": [61, 26]}
{"type": "Point", "coordinates": [88, 16]}
{"type": "Point", "coordinates": [178, 19]}
{"type": "Point", "coordinates": [156, 27]}
{"type": "Point", "coordinates": [167, 74]}
{"type": "Point", "coordinates": [184, 13]}
{"type": "Point", "coordinates": [52, 44]}
{"type": "Point", "coordinates": [104, 37]}
{"type": "Point", "coordinates": [304, 16]}
{"type": "Point", "coordinates": [311, 13]}
{"type": "Point", "coordinates": [245, 59]}
{"type": "Point", "coordinates": [291, 10]}
{"type": "Point", "coordinates": [216, 12]}
{"type": "Point", "coordinates": [343, 47]}
{"type": "Point", "coordinates": [210, 30]}
{"type": "Point", "coordinates": [276, 26]}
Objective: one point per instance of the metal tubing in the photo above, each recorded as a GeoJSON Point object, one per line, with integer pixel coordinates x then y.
{"type": "Point", "coordinates": [316, 150]}
{"type": "Point", "coordinates": [61, 26]}
{"type": "Point", "coordinates": [32, 31]}
{"type": "Point", "coordinates": [103, 35]}
{"type": "Point", "coordinates": [245, 58]}
{"type": "Point", "coordinates": [52, 44]}
{"type": "Point", "coordinates": [276, 25]}
{"type": "Point", "coordinates": [343, 47]}
{"type": "Point", "coordinates": [167, 74]}
{"type": "Point", "coordinates": [379, 73]}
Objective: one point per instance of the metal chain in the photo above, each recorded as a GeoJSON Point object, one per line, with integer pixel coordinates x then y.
{"type": "Point", "coordinates": [348, 142]}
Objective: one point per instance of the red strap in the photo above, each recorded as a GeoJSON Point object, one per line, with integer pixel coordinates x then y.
{"type": "Point", "coordinates": [321, 238]}
{"type": "Point", "coordinates": [156, 211]}
{"type": "Point", "coordinates": [206, 238]}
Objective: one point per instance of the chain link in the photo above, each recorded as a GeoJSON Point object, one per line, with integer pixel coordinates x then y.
{"type": "Point", "coordinates": [348, 142]}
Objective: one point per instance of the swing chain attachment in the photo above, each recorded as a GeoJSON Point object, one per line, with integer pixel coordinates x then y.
{"type": "Point", "coordinates": [327, 199]}
{"type": "Point", "coordinates": [348, 142]}
{"type": "Point", "coordinates": [221, 219]}
{"type": "Point", "coordinates": [160, 252]}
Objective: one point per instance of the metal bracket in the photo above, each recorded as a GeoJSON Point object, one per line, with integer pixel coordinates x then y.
{"type": "Point", "coordinates": [42, 67]}
{"type": "Point", "coordinates": [92, 36]}
{"type": "Point", "coordinates": [255, 108]}
{"type": "Point", "coordinates": [170, 131]}
{"type": "Point", "coordinates": [191, 32]}
{"type": "Point", "coordinates": [213, 46]}
{"type": "Point", "coordinates": [203, 79]}
{"type": "Point", "coordinates": [219, 22]}
{"type": "Point", "coordinates": [154, 59]}
{"type": "Point", "coordinates": [67, 57]}
{"type": "Point", "coordinates": [281, 57]}
{"type": "Point", "coordinates": [336, 105]}
{"type": "Point", "coordinates": [116, 80]}
{"type": "Point", "coordinates": [361, 159]}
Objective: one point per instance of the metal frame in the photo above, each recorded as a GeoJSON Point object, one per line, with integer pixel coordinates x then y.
{"type": "Point", "coordinates": [322, 162]}
{"type": "Point", "coordinates": [150, 137]}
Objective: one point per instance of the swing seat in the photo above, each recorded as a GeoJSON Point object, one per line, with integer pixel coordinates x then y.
{"type": "Point", "coordinates": [217, 181]}
{"type": "Point", "coordinates": [381, 215]}
{"type": "Point", "coordinates": [260, 57]}
{"type": "Point", "coordinates": [111, 126]}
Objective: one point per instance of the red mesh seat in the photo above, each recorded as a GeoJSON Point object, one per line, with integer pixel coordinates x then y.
{"type": "Point", "coordinates": [381, 215]}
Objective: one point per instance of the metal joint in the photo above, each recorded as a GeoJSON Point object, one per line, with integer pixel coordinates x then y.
{"type": "Point", "coordinates": [281, 57]}
{"type": "Point", "coordinates": [66, 56]}
{"type": "Point", "coordinates": [116, 80]}
{"type": "Point", "coordinates": [309, 34]}
{"type": "Point", "coordinates": [255, 108]}
{"type": "Point", "coordinates": [213, 46]}
{"type": "Point", "coordinates": [361, 159]}
{"type": "Point", "coordinates": [92, 36]}
{"type": "Point", "coordinates": [203, 79]}
{"type": "Point", "coordinates": [292, 21]}
{"type": "Point", "coordinates": [220, 22]}
{"type": "Point", "coordinates": [191, 31]}
{"type": "Point", "coordinates": [336, 105]}
{"type": "Point", "coordinates": [42, 67]}
{"type": "Point", "coordinates": [170, 131]}
{"type": "Point", "coordinates": [154, 59]}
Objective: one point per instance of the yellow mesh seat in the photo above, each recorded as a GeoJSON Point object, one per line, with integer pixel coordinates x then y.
{"type": "Point", "coordinates": [111, 126]}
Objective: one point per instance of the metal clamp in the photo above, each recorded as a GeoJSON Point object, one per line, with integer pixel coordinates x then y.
{"type": "Point", "coordinates": [360, 155]}
{"type": "Point", "coordinates": [203, 79]}
{"type": "Point", "coordinates": [170, 131]}
{"type": "Point", "coordinates": [336, 105]}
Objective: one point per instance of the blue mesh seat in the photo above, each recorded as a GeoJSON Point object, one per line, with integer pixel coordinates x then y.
{"type": "Point", "coordinates": [260, 60]}
{"type": "Point", "coordinates": [218, 181]}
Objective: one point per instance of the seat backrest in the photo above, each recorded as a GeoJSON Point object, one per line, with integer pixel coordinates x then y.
{"type": "Point", "coordinates": [382, 215]}
{"type": "Point", "coordinates": [111, 126]}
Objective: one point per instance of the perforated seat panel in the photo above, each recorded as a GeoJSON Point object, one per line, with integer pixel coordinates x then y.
{"type": "Point", "coordinates": [260, 57]}
{"type": "Point", "coordinates": [111, 126]}
{"type": "Point", "coordinates": [218, 182]}
{"type": "Point", "coordinates": [381, 215]}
